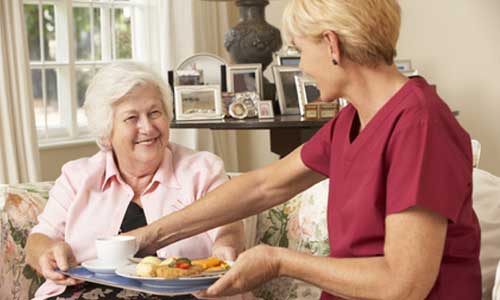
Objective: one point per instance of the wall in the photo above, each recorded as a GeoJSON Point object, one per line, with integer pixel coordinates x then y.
{"type": "Point", "coordinates": [456, 45]}
{"type": "Point", "coordinates": [52, 159]}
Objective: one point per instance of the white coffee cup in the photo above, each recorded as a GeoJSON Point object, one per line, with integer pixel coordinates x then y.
{"type": "Point", "coordinates": [114, 251]}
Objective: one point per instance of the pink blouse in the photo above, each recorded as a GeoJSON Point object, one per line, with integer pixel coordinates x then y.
{"type": "Point", "coordinates": [90, 199]}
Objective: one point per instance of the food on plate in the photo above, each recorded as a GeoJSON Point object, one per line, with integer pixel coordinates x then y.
{"type": "Point", "coordinates": [211, 264]}
{"type": "Point", "coordinates": [151, 260]}
{"type": "Point", "coordinates": [175, 267]}
{"type": "Point", "coordinates": [145, 270]}
{"type": "Point", "coordinates": [147, 266]}
{"type": "Point", "coordinates": [174, 272]}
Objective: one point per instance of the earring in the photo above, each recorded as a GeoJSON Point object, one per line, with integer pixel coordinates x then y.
{"type": "Point", "coordinates": [335, 61]}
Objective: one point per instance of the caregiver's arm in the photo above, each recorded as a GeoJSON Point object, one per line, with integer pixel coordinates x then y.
{"type": "Point", "coordinates": [240, 197]}
{"type": "Point", "coordinates": [413, 251]}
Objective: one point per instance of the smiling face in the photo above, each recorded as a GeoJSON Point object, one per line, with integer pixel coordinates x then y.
{"type": "Point", "coordinates": [316, 61]}
{"type": "Point", "coordinates": [140, 128]}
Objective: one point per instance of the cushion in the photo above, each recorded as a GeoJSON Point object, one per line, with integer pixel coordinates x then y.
{"type": "Point", "coordinates": [298, 224]}
{"type": "Point", "coordinates": [486, 202]}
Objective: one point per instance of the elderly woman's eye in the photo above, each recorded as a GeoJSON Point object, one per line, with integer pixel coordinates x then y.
{"type": "Point", "coordinates": [130, 118]}
{"type": "Point", "coordinates": [155, 114]}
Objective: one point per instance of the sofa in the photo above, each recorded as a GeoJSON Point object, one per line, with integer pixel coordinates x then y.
{"type": "Point", "coordinates": [298, 224]}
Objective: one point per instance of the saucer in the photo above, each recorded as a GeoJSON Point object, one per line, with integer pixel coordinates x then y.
{"type": "Point", "coordinates": [98, 267]}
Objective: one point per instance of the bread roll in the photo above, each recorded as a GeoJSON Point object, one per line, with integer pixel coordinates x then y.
{"type": "Point", "coordinates": [151, 260]}
{"type": "Point", "coordinates": [145, 270]}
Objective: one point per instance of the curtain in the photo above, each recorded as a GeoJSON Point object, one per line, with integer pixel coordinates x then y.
{"type": "Point", "coordinates": [19, 155]}
{"type": "Point", "coordinates": [188, 27]}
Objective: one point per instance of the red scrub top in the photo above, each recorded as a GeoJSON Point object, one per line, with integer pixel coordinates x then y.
{"type": "Point", "coordinates": [412, 152]}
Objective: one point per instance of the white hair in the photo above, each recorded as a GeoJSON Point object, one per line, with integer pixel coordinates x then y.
{"type": "Point", "coordinates": [108, 86]}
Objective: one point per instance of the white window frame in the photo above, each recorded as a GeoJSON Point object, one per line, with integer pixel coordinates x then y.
{"type": "Point", "coordinates": [143, 32]}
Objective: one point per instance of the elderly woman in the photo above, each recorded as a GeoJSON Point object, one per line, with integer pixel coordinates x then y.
{"type": "Point", "coordinates": [400, 217]}
{"type": "Point", "coordinates": [136, 178]}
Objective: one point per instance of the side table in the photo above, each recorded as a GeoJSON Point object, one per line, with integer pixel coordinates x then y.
{"type": "Point", "coordinates": [286, 132]}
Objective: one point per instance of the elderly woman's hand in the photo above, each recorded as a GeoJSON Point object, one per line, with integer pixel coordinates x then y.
{"type": "Point", "coordinates": [252, 268]}
{"type": "Point", "coordinates": [225, 253]}
{"type": "Point", "coordinates": [58, 256]}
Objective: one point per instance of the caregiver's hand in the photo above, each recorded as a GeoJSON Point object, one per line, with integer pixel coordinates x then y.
{"type": "Point", "coordinates": [145, 240]}
{"type": "Point", "coordinates": [252, 268]}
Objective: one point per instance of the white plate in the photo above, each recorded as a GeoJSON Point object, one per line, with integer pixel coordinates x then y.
{"type": "Point", "coordinates": [98, 267]}
{"type": "Point", "coordinates": [128, 271]}
{"type": "Point", "coordinates": [209, 63]}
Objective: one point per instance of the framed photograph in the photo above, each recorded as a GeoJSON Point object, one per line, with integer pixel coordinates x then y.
{"type": "Point", "coordinates": [265, 109]}
{"type": "Point", "coordinates": [249, 99]}
{"type": "Point", "coordinates": [410, 73]}
{"type": "Point", "coordinates": [238, 110]}
{"type": "Point", "coordinates": [288, 60]}
{"type": "Point", "coordinates": [342, 102]}
{"type": "Point", "coordinates": [289, 57]}
{"type": "Point", "coordinates": [284, 78]}
{"type": "Point", "coordinates": [189, 77]}
{"type": "Point", "coordinates": [307, 91]}
{"type": "Point", "coordinates": [403, 65]}
{"type": "Point", "coordinates": [209, 63]}
{"type": "Point", "coordinates": [198, 102]}
{"type": "Point", "coordinates": [244, 78]}
{"type": "Point", "coordinates": [227, 99]}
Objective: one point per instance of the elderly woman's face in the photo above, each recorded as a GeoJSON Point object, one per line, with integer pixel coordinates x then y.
{"type": "Point", "coordinates": [140, 127]}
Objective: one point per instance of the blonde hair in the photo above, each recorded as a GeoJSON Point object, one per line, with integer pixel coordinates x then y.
{"type": "Point", "coordinates": [368, 30]}
{"type": "Point", "coordinates": [108, 86]}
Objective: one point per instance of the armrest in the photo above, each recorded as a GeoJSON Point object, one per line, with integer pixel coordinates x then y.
{"type": "Point", "coordinates": [18, 214]}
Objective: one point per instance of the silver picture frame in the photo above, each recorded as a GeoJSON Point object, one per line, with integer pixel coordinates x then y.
{"type": "Point", "coordinates": [265, 109]}
{"type": "Point", "coordinates": [288, 57]}
{"type": "Point", "coordinates": [403, 65]}
{"type": "Point", "coordinates": [244, 78]}
{"type": "Point", "coordinates": [284, 78]}
{"type": "Point", "coordinates": [198, 102]}
{"type": "Point", "coordinates": [307, 91]}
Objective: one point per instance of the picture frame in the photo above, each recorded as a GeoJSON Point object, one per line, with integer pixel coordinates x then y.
{"type": "Point", "coordinates": [342, 103]}
{"type": "Point", "coordinates": [292, 60]}
{"type": "Point", "coordinates": [410, 73]}
{"type": "Point", "coordinates": [209, 63]}
{"type": "Point", "coordinates": [307, 91]}
{"type": "Point", "coordinates": [289, 57]}
{"type": "Point", "coordinates": [250, 100]}
{"type": "Point", "coordinates": [189, 77]}
{"type": "Point", "coordinates": [227, 99]}
{"type": "Point", "coordinates": [244, 78]}
{"type": "Point", "coordinates": [265, 109]}
{"type": "Point", "coordinates": [198, 102]}
{"type": "Point", "coordinates": [284, 78]}
{"type": "Point", "coordinates": [238, 110]}
{"type": "Point", "coordinates": [403, 65]}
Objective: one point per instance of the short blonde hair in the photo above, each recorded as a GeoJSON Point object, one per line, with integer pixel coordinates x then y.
{"type": "Point", "coordinates": [108, 86]}
{"type": "Point", "coordinates": [368, 30]}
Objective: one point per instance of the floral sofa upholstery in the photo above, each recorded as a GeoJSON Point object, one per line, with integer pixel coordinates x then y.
{"type": "Point", "coordinates": [20, 205]}
{"type": "Point", "coordinates": [298, 224]}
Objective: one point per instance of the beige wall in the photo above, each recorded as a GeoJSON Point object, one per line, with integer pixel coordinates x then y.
{"type": "Point", "coordinates": [52, 159]}
{"type": "Point", "coordinates": [455, 45]}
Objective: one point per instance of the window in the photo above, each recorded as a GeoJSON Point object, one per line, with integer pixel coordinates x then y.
{"type": "Point", "coordinates": [68, 42]}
